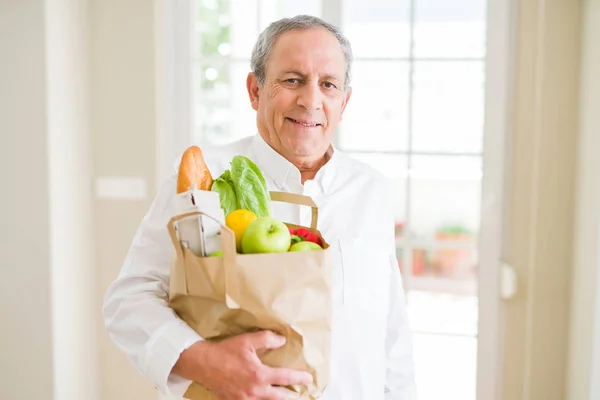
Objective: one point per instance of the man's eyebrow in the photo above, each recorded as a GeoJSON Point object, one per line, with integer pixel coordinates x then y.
{"type": "Point", "coordinates": [328, 77]}
{"type": "Point", "coordinates": [294, 72]}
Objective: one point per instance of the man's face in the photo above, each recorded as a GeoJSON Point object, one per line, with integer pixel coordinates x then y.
{"type": "Point", "coordinates": [303, 98]}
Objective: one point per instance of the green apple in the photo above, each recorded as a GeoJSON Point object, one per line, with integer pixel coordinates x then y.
{"type": "Point", "coordinates": [266, 235]}
{"type": "Point", "coordinates": [305, 246]}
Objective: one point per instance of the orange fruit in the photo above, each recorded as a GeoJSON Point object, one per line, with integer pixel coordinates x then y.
{"type": "Point", "coordinates": [238, 221]}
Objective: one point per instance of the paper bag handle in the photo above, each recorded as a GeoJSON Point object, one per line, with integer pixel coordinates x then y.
{"type": "Point", "coordinates": [227, 235]}
{"type": "Point", "coordinates": [300, 200]}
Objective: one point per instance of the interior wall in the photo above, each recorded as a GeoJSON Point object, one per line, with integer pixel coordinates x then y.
{"type": "Point", "coordinates": [70, 194]}
{"type": "Point", "coordinates": [26, 337]}
{"type": "Point", "coordinates": [124, 137]}
{"type": "Point", "coordinates": [49, 349]}
{"type": "Point", "coordinates": [584, 360]}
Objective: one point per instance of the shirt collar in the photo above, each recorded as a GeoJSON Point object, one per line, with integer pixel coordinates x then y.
{"type": "Point", "coordinates": [283, 172]}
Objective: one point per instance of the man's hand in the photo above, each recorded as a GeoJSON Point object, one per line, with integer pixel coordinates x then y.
{"type": "Point", "coordinates": [232, 370]}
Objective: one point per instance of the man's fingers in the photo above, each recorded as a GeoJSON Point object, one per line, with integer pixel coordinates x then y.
{"type": "Point", "coordinates": [276, 393]}
{"type": "Point", "coordinates": [265, 340]}
{"type": "Point", "coordinates": [286, 376]}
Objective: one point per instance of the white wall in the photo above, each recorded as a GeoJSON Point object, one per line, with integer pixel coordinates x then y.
{"type": "Point", "coordinates": [48, 336]}
{"type": "Point", "coordinates": [124, 134]}
{"type": "Point", "coordinates": [70, 183]}
{"type": "Point", "coordinates": [584, 361]}
{"type": "Point", "coordinates": [25, 337]}
{"type": "Point", "coordinates": [77, 101]}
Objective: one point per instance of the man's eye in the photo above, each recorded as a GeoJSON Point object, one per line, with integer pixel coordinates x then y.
{"type": "Point", "coordinates": [329, 85]}
{"type": "Point", "coordinates": [292, 80]}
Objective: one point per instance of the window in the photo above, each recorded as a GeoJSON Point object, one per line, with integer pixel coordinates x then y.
{"type": "Point", "coordinates": [423, 61]}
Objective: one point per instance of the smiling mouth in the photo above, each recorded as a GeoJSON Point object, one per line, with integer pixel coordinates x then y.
{"type": "Point", "coordinates": [304, 123]}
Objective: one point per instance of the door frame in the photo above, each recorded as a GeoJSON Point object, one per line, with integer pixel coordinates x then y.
{"type": "Point", "coordinates": [496, 161]}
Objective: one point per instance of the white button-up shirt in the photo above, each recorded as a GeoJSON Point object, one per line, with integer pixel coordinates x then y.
{"type": "Point", "coordinates": [371, 354]}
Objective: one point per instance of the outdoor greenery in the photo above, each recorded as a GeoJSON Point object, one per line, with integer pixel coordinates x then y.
{"type": "Point", "coordinates": [213, 29]}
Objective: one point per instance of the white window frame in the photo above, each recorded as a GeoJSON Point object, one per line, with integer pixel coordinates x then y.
{"type": "Point", "coordinates": [175, 123]}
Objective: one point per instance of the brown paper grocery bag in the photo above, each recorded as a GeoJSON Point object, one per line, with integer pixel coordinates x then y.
{"type": "Point", "coordinates": [288, 293]}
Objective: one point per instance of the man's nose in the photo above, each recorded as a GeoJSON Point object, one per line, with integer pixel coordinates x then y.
{"type": "Point", "coordinates": [310, 97]}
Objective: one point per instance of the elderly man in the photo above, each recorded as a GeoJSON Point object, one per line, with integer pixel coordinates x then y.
{"type": "Point", "coordinates": [299, 87]}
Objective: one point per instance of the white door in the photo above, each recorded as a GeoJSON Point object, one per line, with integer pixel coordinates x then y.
{"type": "Point", "coordinates": [424, 62]}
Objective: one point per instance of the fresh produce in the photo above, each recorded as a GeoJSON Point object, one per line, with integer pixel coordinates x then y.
{"type": "Point", "coordinates": [238, 221]}
{"type": "Point", "coordinates": [305, 235]}
{"type": "Point", "coordinates": [193, 171]}
{"type": "Point", "coordinates": [266, 235]}
{"type": "Point", "coordinates": [245, 199]}
{"type": "Point", "coordinates": [305, 246]}
{"type": "Point", "coordinates": [224, 186]}
{"type": "Point", "coordinates": [243, 187]}
{"type": "Point", "coordinates": [250, 186]}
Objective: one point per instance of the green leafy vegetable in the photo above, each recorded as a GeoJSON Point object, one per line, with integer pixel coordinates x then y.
{"type": "Point", "coordinates": [224, 186]}
{"type": "Point", "coordinates": [250, 186]}
{"type": "Point", "coordinates": [243, 187]}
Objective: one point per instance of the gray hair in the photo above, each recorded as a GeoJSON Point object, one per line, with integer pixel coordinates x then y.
{"type": "Point", "coordinates": [266, 40]}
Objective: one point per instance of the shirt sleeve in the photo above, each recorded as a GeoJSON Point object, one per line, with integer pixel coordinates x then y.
{"type": "Point", "coordinates": [136, 312]}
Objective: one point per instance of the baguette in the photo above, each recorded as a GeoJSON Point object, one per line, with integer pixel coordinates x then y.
{"type": "Point", "coordinates": [193, 171]}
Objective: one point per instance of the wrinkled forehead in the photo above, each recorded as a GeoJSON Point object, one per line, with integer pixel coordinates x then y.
{"type": "Point", "coordinates": [309, 51]}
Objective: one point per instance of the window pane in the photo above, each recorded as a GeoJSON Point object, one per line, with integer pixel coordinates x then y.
{"type": "Point", "coordinates": [212, 98]}
{"type": "Point", "coordinates": [394, 168]}
{"type": "Point", "coordinates": [223, 111]}
{"type": "Point", "coordinates": [225, 28]}
{"type": "Point", "coordinates": [448, 266]}
{"type": "Point", "coordinates": [420, 265]}
{"type": "Point", "coordinates": [244, 27]}
{"type": "Point", "coordinates": [445, 197]}
{"type": "Point", "coordinates": [446, 365]}
{"type": "Point", "coordinates": [272, 10]}
{"type": "Point", "coordinates": [448, 108]}
{"type": "Point", "coordinates": [450, 28]}
{"type": "Point", "coordinates": [244, 116]}
{"type": "Point", "coordinates": [376, 117]}
{"type": "Point", "coordinates": [442, 313]}
{"type": "Point", "coordinates": [377, 28]}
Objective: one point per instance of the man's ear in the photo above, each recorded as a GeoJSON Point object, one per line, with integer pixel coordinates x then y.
{"type": "Point", "coordinates": [252, 86]}
{"type": "Point", "coordinates": [345, 102]}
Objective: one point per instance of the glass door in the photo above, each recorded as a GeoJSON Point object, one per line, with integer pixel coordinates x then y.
{"type": "Point", "coordinates": [424, 62]}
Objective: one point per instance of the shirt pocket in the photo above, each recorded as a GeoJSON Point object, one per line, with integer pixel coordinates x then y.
{"type": "Point", "coordinates": [366, 275]}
